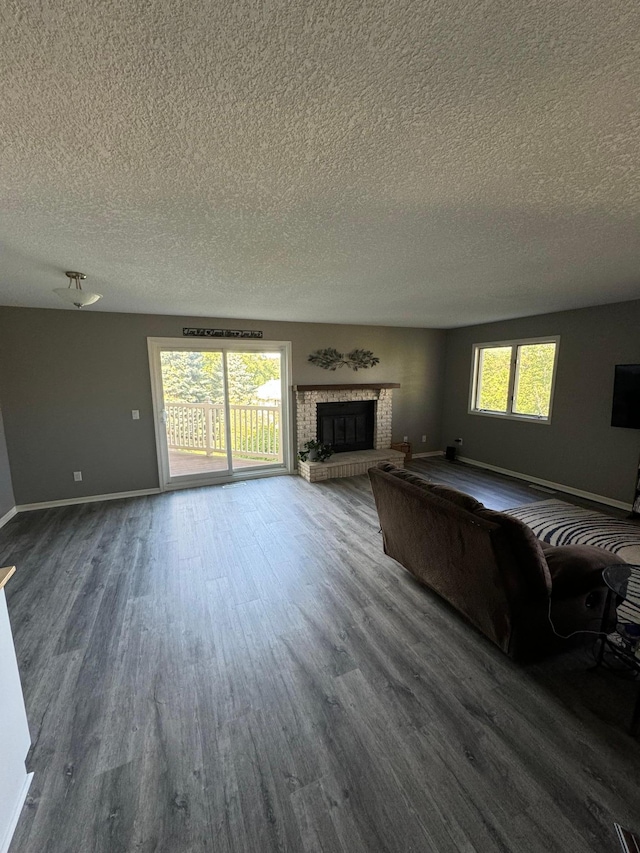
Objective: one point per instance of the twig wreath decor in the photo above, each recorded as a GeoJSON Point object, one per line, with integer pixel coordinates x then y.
{"type": "Point", "coordinates": [331, 359]}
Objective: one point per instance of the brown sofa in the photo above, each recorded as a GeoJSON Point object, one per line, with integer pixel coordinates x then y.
{"type": "Point", "coordinates": [489, 565]}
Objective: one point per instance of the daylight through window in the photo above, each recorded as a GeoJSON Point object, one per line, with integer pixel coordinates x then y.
{"type": "Point", "coordinates": [514, 378]}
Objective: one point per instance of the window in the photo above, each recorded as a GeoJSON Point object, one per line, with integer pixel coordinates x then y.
{"type": "Point", "coordinates": [514, 379]}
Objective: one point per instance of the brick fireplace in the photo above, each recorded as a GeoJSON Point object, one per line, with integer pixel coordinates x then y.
{"type": "Point", "coordinates": [345, 464]}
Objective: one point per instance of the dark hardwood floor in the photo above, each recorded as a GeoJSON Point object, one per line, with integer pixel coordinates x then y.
{"type": "Point", "coordinates": [240, 668]}
{"type": "Point", "coordinates": [498, 491]}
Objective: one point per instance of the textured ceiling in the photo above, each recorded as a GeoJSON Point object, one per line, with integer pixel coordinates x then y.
{"type": "Point", "coordinates": [428, 163]}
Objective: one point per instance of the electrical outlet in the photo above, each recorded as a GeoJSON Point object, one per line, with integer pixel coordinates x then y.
{"type": "Point", "coordinates": [77, 476]}
{"type": "Point", "coordinates": [424, 439]}
{"type": "Point", "coordinates": [458, 441]}
{"type": "Point", "coordinates": [405, 438]}
{"type": "Point", "coordinates": [135, 414]}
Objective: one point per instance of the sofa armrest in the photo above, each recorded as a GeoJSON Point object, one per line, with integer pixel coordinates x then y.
{"type": "Point", "coordinates": [576, 569]}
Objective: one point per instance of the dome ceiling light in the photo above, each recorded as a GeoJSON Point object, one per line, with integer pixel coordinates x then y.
{"type": "Point", "coordinates": [74, 292]}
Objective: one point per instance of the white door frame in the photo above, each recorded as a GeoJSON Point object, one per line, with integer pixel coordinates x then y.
{"type": "Point", "coordinates": [156, 345]}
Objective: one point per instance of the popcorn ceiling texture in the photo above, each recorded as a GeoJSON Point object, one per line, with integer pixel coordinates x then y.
{"type": "Point", "coordinates": [397, 162]}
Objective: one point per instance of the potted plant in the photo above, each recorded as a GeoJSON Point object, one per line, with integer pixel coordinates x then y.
{"type": "Point", "coordinates": [315, 451]}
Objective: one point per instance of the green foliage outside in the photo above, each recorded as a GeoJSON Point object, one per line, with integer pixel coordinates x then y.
{"type": "Point", "coordinates": [493, 373]}
{"type": "Point", "coordinates": [532, 391]}
{"type": "Point", "coordinates": [532, 394]}
{"type": "Point", "coordinates": [196, 377]}
{"type": "Point", "coordinates": [192, 377]}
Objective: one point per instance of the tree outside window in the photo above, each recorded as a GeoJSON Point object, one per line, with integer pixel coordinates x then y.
{"type": "Point", "coordinates": [514, 378]}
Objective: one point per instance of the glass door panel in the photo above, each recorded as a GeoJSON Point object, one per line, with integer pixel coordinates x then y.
{"type": "Point", "coordinates": [194, 412]}
{"type": "Point", "coordinates": [254, 383]}
{"type": "Point", "coordinates": [219, 409]}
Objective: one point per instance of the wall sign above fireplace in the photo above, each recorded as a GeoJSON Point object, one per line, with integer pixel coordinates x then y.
{"type": "Point", "coordinates": [331, 359]}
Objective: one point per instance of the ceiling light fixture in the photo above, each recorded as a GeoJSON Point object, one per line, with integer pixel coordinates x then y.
{"type": "Point", "coordinates": [75, 294]}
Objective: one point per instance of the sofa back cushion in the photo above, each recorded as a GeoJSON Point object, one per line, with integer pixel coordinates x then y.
{"type": "Point", "coordinates": [460, 499]}
{"type": "Point", "coordinates": [457, 497]}
{"type": "Point", "coordinates": [525, 569]}
{"type": "Point", "coordinates": [518, 551]}
{"type": "Point", "coordinates": [446, 546]}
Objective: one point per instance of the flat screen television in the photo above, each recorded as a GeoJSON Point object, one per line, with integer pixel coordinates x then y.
{"type": "Point", "coordinates": [626, 396]}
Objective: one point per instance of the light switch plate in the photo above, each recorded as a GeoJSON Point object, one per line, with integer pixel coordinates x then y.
{"type": "Point", "coordinates": [135, 414]}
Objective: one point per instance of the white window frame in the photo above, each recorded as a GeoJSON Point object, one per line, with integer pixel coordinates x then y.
{"type": "Point", "coordinates": [514, 344]}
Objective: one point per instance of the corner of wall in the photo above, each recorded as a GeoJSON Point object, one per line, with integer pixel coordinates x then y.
{"type": "Point", "coordinates": [7, 497]}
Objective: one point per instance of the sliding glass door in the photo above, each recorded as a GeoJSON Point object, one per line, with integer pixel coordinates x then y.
{"type": "Point", "coordinates": [220, 409]}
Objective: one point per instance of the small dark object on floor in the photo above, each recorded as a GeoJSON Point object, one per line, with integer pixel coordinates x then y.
{"type": "Point", "coordinates": [450, 453]}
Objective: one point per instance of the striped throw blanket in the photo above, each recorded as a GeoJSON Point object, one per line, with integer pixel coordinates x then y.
{"type": "Point", "coordinates": [560, 523]}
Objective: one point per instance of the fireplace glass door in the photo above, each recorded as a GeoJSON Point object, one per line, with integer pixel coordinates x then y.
{"type": "Point", "coordinates": [347, 426]}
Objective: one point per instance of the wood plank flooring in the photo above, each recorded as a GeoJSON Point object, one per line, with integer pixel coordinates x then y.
{"type": "Point", "coordinates": [498, 491]}
{"type": "Point", "coordinates": [240, 669]}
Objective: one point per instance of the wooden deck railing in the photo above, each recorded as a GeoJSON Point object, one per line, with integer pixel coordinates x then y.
{"type": "Point", "coordinates": [255, 430]}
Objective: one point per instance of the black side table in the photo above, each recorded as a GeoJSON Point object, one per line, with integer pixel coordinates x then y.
{"type": "Point", "coordinates": [623, 581]}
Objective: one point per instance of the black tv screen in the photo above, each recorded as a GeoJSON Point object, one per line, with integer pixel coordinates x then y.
{"type": "Point", "coordinates": [626, 396]}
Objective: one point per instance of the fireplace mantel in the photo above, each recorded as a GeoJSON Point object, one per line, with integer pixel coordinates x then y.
{"type": "Point", "coordinates": [354, 386]}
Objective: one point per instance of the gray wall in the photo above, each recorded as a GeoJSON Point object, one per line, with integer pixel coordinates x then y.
{"type": "Point", "coordinates": [579, 448]}
{"type": "Point", "coordinates": [7, 500]}
{"type": "Point", "coordinates": [69, 379]}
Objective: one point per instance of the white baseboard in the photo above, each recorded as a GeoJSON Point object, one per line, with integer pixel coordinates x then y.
{"type": "Point", "coordinates": [8, 516]}
{"type": "Point", "coordinates": [428, 453]}
{"type": "Point", "coordinates": [88, 499]}
{"type": "Point", "coordinates": [559, 487]}
{"type": "Point", "coordinates": [5, 842]}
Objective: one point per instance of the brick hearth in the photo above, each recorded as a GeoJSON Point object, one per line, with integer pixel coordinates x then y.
{"type": "Point", "coordinates": [345, 464]}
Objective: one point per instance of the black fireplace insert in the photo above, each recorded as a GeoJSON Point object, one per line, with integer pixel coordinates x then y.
{"type": "Point", "coordinates": [347, 426]}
